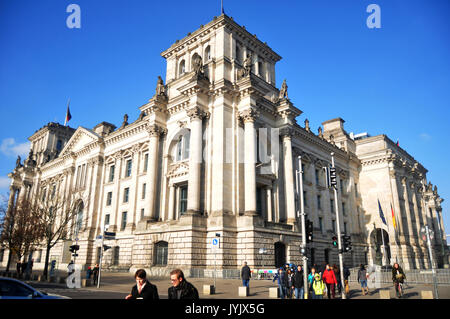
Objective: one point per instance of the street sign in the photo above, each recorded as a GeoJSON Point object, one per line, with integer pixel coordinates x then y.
{"type": "Point", "coordinates": [110, 234]}
{"type": "Point", "coordinates": [215, 243]}
{"type": "Point", "coordinates": [99, 237]}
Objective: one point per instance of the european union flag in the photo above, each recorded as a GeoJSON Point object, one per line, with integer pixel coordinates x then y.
{"type": "Point", "coordinates": [381, 213]}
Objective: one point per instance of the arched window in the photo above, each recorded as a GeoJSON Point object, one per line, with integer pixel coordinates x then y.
{"type": "Point", "coordinates": [183, 147]}
{"type": "Point", "coordinates": [182, 68]}
{"type": "Point", "coordinates": [161, 253]}
{"type": "Point", "coordinates": [79, 221]}
{"type": "Point", "coordinates": [207, 53]}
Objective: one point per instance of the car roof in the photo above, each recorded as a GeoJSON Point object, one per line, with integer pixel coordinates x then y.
{"type": "Point", "coordinates": [18, 281]}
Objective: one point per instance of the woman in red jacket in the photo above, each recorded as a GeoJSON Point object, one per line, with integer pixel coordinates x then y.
{"type": "Point", "coordinates": [330, 280]}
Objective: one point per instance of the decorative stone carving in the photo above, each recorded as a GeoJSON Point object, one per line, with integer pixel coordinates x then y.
{"type": "Point", "coordinates": [249, 115]}
{"type": "Point", "coordinates": [286, 132]}
{"type": "Point", "coordinates": [195, 113]}
{"type": "Point", "coordinates": [160, 87]}
{"type": "Point", "coordinates": [197, 65]}
{"type": "Point", "coordinates": [125, 121]}
{"type": "Point", "coordinates": [18, 165]}
{"type": "Point", "coordinates": [154, 130]}
{"type": "Point", "coordinates": [320, 132]}
{"type": "Point", "coordinates": [307, 128]}
{"type": "Point", "coordinates": [283, 91]}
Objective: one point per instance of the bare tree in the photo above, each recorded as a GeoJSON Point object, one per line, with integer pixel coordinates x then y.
{"type": "Point", "coordinates": [21, 229]}
{"type": "Point", "coordinates": [56, 214]}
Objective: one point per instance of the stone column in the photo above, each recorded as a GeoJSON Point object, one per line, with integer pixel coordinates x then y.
{"type": "Point", "coordinates": [154, 132]}
{"type": "Point", "coordinates": [412, 236]}
{"type": "Point", "coordinates": [289, 176]}
{"type": "Point", "coordinates": [421, 245]}
{"type": "Point", "coordinates": [269, 204]}
{"type": "Point", "coordinates": [12, 196]}
{"type": "Point", "coordinates": [195, 161]}
{"type": "Point", "coordinates": [249, 116]}
{"type": "Point", "coordinates": [171, 212]}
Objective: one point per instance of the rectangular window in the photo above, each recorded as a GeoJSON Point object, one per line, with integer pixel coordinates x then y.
{"type": "Point", "coordinates": [126, 193]}
{"type": "Point", "coordinates": [111, 172]}
{"type": "Point", "coordinates": [124, 221]}
{"type": "Point", "coordinates": [144, 187]}
{"type": "Point", "coordinates": [317, 177]}
{"type": "Point", "coordinates": [333, 226]}
{"type": "Point", "coordinates": [345, 228]}
{"type": "Point", "coordinates": [341, 185]}
{"type": "Point", "coordinates": [318, 202]}
{"type": "Point", "coordinates": [183, 199]}
{"type": "Point", "coordinates": [145, 162]}
{"type": "Point", "coordinates": [320, 224]}
{"type": "Point", "coordinates": [128, 168]}
{"type": "Point", "coordinates": [142, 213]}
{"type": "Point", "coordinates": [84, 175]}
{"type": "Point", "coordinates": [343, 209]}
{"type": "Point", "coordinates": [107, 220]}
{"type": "Point", "coordinates": [39, 256]}
{"type": "Point", "coordinates": [356, 190]}
{"type": "Point", "coordinates": [109, 199]}
{"type": "Point", "coordinates": [332, 205]}
{"type": "Point", "coordinates": [305, 202]}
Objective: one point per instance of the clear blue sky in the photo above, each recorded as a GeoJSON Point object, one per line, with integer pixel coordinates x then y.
{"type": "Point", "coordinates": [393, 80]}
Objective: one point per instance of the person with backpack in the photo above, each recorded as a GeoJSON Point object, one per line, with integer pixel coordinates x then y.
{"type": "Point", "coordinates": [311, 281]}
{"type": "Point", "coordinates": [398, 276]}
{"type": "Point", "coordinates": [318, 287]}
{"type": "Point", "coordinates": [362, 278]}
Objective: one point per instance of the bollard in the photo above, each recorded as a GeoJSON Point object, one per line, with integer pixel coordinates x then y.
{"type": "Point", "coordinates": [274, 292]}
{"type": "Point", "coordinates": [385, 294]}
{"type": "Point", "coordinates": [208, 289]}
{"type": "Point", "coordinates": [426, 294]}
{"type": "Point", "coordinates": [243, 291]}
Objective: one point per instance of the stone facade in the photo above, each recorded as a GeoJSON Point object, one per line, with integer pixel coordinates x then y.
{"type": "Point", "coordinates": [191, 166]}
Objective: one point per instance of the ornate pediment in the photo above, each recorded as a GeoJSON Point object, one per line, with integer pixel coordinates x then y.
{"type": "Point", "coordinates": [80, 139]}
{"type": "Point", "coordinates": [178, 169]}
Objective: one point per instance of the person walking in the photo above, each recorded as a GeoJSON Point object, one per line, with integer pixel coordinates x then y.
{"type": "Point", "coordinates": [143, 288]}
{"type": "Point", "coordinates": [95, 273]}
{"type": "Point", "coordinates": [398, 277]}
{"type": "Point", "coordinates": [282, 282]}
{"type": "Point", "coordinates": [298, 283]}
{"type": "Point", "coordinates": [18, 268]}
{"type": "Point", "coordinates": [245, 275]}
{"type": "Point", "coordinates": [362, 278]}
{"type": "Point", "coordinates": [181, 288]}
{"type": "Point", "coordinates": [311, 281]}
{"type": "Point", "coordinates": [290, 284]}
{"type": "Point", "coordinates": [329, 279]}
{"type": "Point", "coordinates": [318, 287]}
{"type": "Point", "coordinates": [346, 276]}
{"type": "Point", "coordinates": [89, 273]}
{"type": "Point", "coordinates": [337, 274]}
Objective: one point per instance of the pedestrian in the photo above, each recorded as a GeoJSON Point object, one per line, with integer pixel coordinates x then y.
{"type": "Point", "coordinates": [181, 288]}
{"type": "Point", "coordinates": [398, 277]}
{"type": "Point", "coordinates": [31, 265]}
{"type": "Point", "coordinates": [143, 288]}
{"type": "Point", "coordinates": [89, 273]}
{"type": "Point", "coordinates": [337, 273]}
{"type": "Point", "coordinates": [362, 278]}
{"type": "Point", "coordinates": [245, 275]}
{"type": "Point", "coordinates": [18, 268]}
{"type": "Point", "coordinates": [311, 277]}
{"type": "Point", "coordinates": [318, 287]}
{"type": "Point", "coordinates": [298, 283]}
{"type": "Point", "coordinates": [329, 279]}
{"type": "Point", "coordinates": [282, 282]}
{"type": "Point", "coordinates": [346, 276]}
{"type": "Point", "coordinates": [290, 285]}
{"type": "Point", "coordinates": [95, 272]}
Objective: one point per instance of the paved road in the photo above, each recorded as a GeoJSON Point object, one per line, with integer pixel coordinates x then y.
{"type": "Point", "coordinates": [118, 285]}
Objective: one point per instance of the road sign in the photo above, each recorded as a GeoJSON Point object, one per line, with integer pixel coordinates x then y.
{"type": "Point", "coordinates": [215, 243]}
{"type": "Point", "coordinates": [99, 237]}
{"type": "Point", "coordinates": [110, 234]}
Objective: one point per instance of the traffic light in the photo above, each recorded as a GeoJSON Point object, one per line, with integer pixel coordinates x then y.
{"type": "Point", "coordinates": [309, 231]}
{"type": "Point", "coordinates": [333, 180]}
{"type": "Point", "coordinates": [74, 248]}
{"type": "Point", "coordinates": [105, 248]}
{"type": "Point", "coordinates": [347, 245]}
{"type": "Point", "coordinates": [335, 241]}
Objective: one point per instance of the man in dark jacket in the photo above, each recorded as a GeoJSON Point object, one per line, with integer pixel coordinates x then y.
{"type": "Point", "coordinates": [298, 283]}
{"type": "Point", "coordinates": [143, 288]}
{"type": "Point", "coordinates": [282, 282]}
{"type": "Point", "coordinates": [181, 289]}
{"type": "Point", "coordinates": [245, 275]}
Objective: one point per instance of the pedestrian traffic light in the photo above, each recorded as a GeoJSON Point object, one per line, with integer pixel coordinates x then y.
{"type": "Point", "coordinates": [333, 180]}
{"type": "Point", "coordinates": [74, 248]}
{"type": "Point", "coordinates": [347, 245]}
{"type": "Point", "coordinates": [335, 241]}
{"type": "Point", "coordinates": [309, 231]}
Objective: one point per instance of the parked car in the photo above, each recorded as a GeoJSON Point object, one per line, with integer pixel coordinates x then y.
{"type": "Point", "coordinates": [15, 289]}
